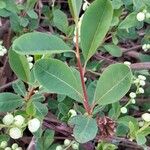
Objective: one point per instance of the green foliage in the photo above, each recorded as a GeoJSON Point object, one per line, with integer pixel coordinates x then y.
{"type": "Point", "coordinates": [95, 26]}
{"type": "Point", "coordinates": [37, 43]}
{"type": "Point", "coordinates": [85, 128]}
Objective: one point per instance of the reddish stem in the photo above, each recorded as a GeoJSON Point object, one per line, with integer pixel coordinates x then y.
{"type": "Point", "coordinates": [81, 70]}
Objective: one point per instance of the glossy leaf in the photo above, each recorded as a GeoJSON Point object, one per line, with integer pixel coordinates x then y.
{"type": "Point", "coordinates": [37, 43]}
{"type": "Point", "coordinates": [85, 128]}
{"type": "Point", "coordinates": [19, 65]}
{"type": "Point", "coordinates": [9, 102]}
{"type": "Point", "coordinates": [113, 84]}
{"type": "Point", "coordinates": [58, 78]}
{"type": "Point", "coordinates": [95, 25]}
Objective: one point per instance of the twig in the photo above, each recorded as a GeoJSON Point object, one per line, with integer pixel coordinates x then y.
{"type": "Point", "coordinates": [141, 66]}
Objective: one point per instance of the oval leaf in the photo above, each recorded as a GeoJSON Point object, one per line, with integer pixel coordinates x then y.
{"type": "Point", "coordinates": [9, 102]}
{"type": "Point", "coordinates": [37, 43]}
{"type": "Point", "coordinates": [58, 78]}
{"type": "Point", "coordinates": [95, 25]}
{"type": "Point", "coordinates": [19, 65]}
{"type": "Point", "coordinates": [85, 128]}
{"type": "Point", "coordinates": [113, 84]}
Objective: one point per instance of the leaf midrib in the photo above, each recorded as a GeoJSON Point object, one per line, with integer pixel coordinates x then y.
{"type": "Point", "coordinates": [111, 88]}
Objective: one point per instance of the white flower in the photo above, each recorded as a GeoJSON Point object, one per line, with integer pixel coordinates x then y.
{"type": "Point", "coordinates": [144, 47]}
{"type": "Point", "coordinates": [136, 81]}
{"type": "Point", "coordinates": [141, 123]}
{"type": "Point", "coordinates": [3, 144]}
{"type": "Point", "coordinates": [14, 146]}
{"type": "Point", "coordinates": [124, 110]}
{"type": "Point", "coordinates": [127, 63]}
{"type": "Point", "coordinates": [132, 95]}
{"type": "Point", "coordinates": [3, 50]}
{"type": "Point", "coordinates": [140, 16]}
{"type": "Point", "coordinates": [85, 5]}
{"type": "Point", "coordinates": [30, 65]}
{"type": "Point", "coordinates": [29, 58]}
{"type": "Point", "coordinates": [75, 146]}
{"type": "Point", "coordinates": [148, 46]}
{"type": "Point", "coordinates": [7, 148]}
{"type": "Point", "coordinates": [19, 120]}
{"type": "Point", "coordinates": [72, 112]}
{"type": "Point", "coordinates": [67, 142]}
{"type": "Point", "coordinates": [141, 77]}
{"type": "Point", "coordinates": [133, 101]}
{"type": "Point", "coordinates": [8, 119]}
{"type": "Point", "coordinates": [15, 133]}
{"type": "Point", "coordinates": [59, 147]}
{"type": "Point", "coordinates": [146, 117]}
{"type": "Point", "coordinates": [142, 83]}
{"type": "Point", "coordinates": [147, 15]}
{"type": "Point", "coordinates": [141, 90]}
{"type": "Point", "coordinates": [19, 148]}
{"type": "Point", "coordinates": [34, 125]}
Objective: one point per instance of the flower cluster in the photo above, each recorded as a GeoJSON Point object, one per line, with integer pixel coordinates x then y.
{"type": "Point", "coordinates": [67, 144]}
{"type": "Point", "coordinates": [141, 16]}
{"type": "Point", "coordinates": [139, 82]}
{"type": "Point", "coordinates": [15, 125]}
{"type": "Point", "coordinates": [3, 50]}
{"type": "Point", "coordinates": [146, 47]}
{"type": "Point", "coordinates": [30, 59]}
{"type": "Point", "coordinates": [4, 145]}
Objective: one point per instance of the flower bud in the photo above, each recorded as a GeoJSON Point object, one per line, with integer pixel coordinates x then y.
{"type": "Point", "coordinates": [147, 15]}
{"type": "Point", "coordinates": [15, 133]}
{"type": "Point", "coordinates": [7, 148]}
{"type": "Point", "coordinates": [67, 142]}
{"type": "Point", "coordinates": [8, 119]}
{"type": "Point", "coordinates": [127, 63]}
{"type": "Point", "coordinates": [141, 90]}
{"type": "Point", "coordinates": [19, 148]}
{"type": "Point", "coordinates": [141, 123]}
{"type": "Point", "coordinates": [72, 112]}
{"type": "Point", "coordinates": [142, 83]}
{"type": "Point", "coordinates": [146, 117]}
{"type": "Point", "coordinates": [132, 95]}
{"type": "Point", "coordinates": [133, 101]}
{"type": "Point", "coordinates": [75, 146]}
{"type": "Point", "coordinates": [59, 147]}
{"type": "Point", "coordinates": [14, 146]}
{"type": "Point", "coordinates": [141, 77]}
{"type": "Point", "coordinates": [19, 120]}
{"type": "Point", "coordinates": [34, 125]}
{"type": "Point", "coordinates": [144, 47]}
{"type": "Point", "coordinates": [3, 144]}
{"type": "Point", "coordinates": [140, 16]}
{"type": "Point", "coordinates": [124, 110]}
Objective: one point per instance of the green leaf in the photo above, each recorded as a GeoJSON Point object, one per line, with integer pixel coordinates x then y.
{"type": "Point", "coordinates": [75, 7]}
{"type": "Point", "coordinates": [129, 21]}
{"type": "Point", "coordinates": [85, 128]}
{"type": "Point", "coordinates": [2, 4]}
{"type": "Point", "coordinates": [19, 88]}
{"type": "Point", "coordinates": [32, 14]}
{"type": "Point", "coordinates": [19, 65]}
{"type": "Point", "coordinates": [113, 84]}
{"type": "Point", "coordinates": [95, 25]}
{"type": "Point", "coordinates": [60, 20]}
{"type": "Point", "coordinates": [141, 139]}
{"type": "Point", "coordinates": [114, 50]}
{"type": "Point", "coordinates": [9, 102]}
{"type": "Point", "coordinates": [37, 43]}
{"type": "Point", "coordinates": [58, 78]}
{"type": "Point", "coordinates": [4, 138]}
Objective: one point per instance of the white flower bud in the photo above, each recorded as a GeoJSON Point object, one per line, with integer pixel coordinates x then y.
{"type": "Point", "coordinates": [136, 81]}
{"type": "Point", "coordinates": [29, 58]}
{"type": "Point", "coordinates": [124, 110]}
{"type": "Point", "coordinates": [15, 133]}
{"type": "Point", "coordinates": [85, 5]}
{"type": "Point", "coordinates": [144, 11]}
{"type": "Point", "coordinates": [141, 123]}
{"type": "Point", "coordinates": [146, 117]}
{"type": "Point", "coordinates": [8, 119]}
{"type": "Point", "coordinates": [133, 101]}
{"type": "Point", "coordinates": [148, 46]}
{"type": "Point", "coordinates": [141, 90]}
{"type": "Point", "coordinates": [1, 53]}
{"type": "Point", "coordinates": [132, 95]}
{"type": "Point", "coordinates": [67, 142]}
{"type": "Point", "coordinates": [4, 50]}
{"type": "Point", "coordinates": [19, 148]}
{"type": "Point", "coordinates": [7, 148]}
{"type": "Point", "coordinates": [30, 65]}
{"type": "Point", "coordinates": [59, 147]}
{"type": "Point", "coordinates": [34, 125]}
{"type": "Point", "coordinates": [140, 16]}
{"type": "Point", "coordinates": [14, 146]}
{"type": "Point", "coordinates": [3, 144]}
{"type": "Point", "coordinates": [147, 15]}
{"type": "Point", "coordinates": [142, 83]}
{"type": "Point", "coordinates": [141, 77]}
{"type": "Point", "coordinates": [127, 63]}
{"type": "Point", "coordinates": [19, 120]}
{"type": "Point", "coordinates": [72, 112]}
{"type": "Point", "coordinates": [144, 47]}
{"type": "Point", "coordinates": [75, 146]}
